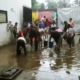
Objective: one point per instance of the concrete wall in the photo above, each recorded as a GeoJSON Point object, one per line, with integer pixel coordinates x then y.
{"type": "Point", "coordinates": [16, 16]}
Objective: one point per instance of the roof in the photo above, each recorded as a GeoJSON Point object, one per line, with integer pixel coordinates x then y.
{"type": "Point", "coordinates": [45, 10]}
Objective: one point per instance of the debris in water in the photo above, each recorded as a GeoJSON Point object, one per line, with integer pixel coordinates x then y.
{"type": "Point", "coordinates": [51, 54]}
{"type": "Point", "coordinates": [60, 66]}
{"type": "Point", "coordinates": [51, 65]}
{"type": "Point", "coordinates": [25, 78]}
{"type": "Point", "coordinates": [33, 74]}
{"type": "Point", "coordinates": [67, 72]}
{"type": "Point", "coordinates": [43, 62]}
{"type": "Point", "coordinates": [73, 56]}
{"type": "Point", "coordinates": [56, 67]}
{"type": "Point", "coordinates": [35, 68]}
{"type": "Point", "coordinates": [33, 79]}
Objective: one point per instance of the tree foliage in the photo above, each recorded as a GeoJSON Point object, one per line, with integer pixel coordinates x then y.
{"type": "Point", "coordinates": [63, 3]}
{"type": "Point", "coordinates": [76, 2]}
{"type": "Point", "coordinates": [42, 6]}
{"type": "Point", "coordinates": [52, 4]}
{"type": "Point", "coordinates": [35, 5]}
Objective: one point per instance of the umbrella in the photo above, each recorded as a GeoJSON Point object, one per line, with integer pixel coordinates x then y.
{"type": "Point", "coordinates": [59, 30]}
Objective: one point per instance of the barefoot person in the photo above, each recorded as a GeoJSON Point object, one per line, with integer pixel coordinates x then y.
{"type": "Point", "coordinates": [21, 43]}
{"type": "Point", "coordinates": [69, 35]}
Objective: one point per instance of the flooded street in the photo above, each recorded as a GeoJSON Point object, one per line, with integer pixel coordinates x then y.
{"type": "Point", "coordinates": [45, 64]}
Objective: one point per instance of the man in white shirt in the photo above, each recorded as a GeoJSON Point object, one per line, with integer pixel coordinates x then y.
{"type": "Point", "coordinates": [43, 18]}
{"type": "Point", "coordinates": [21, 42]}
{"type": "Point", "coordinates": [53, 25]}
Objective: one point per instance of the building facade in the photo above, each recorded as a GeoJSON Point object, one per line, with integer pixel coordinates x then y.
{"type": "Point", "coordinates": [14, 10]}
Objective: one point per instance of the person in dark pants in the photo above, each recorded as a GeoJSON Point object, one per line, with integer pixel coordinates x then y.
{"type": "Point", "coordinates": [21, 43]}
{"type": "Point", "coordinates": [64, 30]}
{"type": "Point", "coordinates": [70, 36]}
{"type": "Point", "coordinates": [34, 33]}
{"type": "Point", "coordinates": [57, 37]}
{"type": "Point", "coordinates": [15, 30]}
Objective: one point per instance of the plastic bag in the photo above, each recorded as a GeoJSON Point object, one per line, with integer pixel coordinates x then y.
{"type": "Point", "coordinates": [28, 47]}
{"type": "Point", "coordinates": [52, 39]}
{"type": "Point", "coordinates": [55, 45]}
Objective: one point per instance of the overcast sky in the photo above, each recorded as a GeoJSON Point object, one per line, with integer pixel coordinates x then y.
{"type": "Point", "coordinates": [43, 1]}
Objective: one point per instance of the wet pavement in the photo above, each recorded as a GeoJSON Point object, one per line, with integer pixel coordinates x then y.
{"type": "Point", "coordinates": [44, 64]}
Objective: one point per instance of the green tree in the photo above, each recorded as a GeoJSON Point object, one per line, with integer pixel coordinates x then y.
{"type": "Point", "coordinates": [51, 4]}
{"type": "Point", "coordinates": [76, 1]}
{"type": "Point", "coordinates": [35, 5]}
{"type": "Point", "coordinates": [63, 3]}
{"type": "Point", "coordinates": [42, 6]}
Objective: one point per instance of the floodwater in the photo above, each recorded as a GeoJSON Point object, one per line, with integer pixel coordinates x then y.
{"type": "Point", "coordinates": [44, 64]}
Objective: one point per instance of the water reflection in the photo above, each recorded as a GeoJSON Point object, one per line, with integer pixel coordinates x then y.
{"type": "Point", "coordinates": [58, 64]}
{"type": "Point", "coordinates": [46, 63]}
{"type": "Point", "coordinates": [69, 62]}
{"type": "Point", "coordinates": [37, 60]}
{"type": "Point", "coordinates": [69, 58]}
{"type": "Point", "coordinates": [21, 62]}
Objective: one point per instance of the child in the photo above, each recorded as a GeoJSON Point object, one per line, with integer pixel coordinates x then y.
{"type": "Point", "coordinates": [69, 35]}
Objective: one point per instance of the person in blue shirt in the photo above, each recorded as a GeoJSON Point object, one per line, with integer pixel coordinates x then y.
{"type": "Point", "coordinates": [41, 24]}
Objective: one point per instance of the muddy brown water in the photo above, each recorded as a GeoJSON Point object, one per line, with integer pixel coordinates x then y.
{"type": "Point", "coordinates": [44, 64]}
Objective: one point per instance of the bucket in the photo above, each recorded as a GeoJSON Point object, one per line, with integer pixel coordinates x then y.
{"type": "Point", "coordinates": [28, 47]}
{"type": "Point", "coordinates": [45, 43]}
{"type": "Point", "coordinates": [50, 44]}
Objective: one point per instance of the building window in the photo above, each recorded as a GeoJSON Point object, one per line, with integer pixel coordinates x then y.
{"type": "Point", "coordinates": [3, 16]}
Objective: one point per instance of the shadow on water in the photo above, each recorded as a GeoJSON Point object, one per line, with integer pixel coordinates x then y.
{"type": "Point", "coordinates": [32, 60]}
